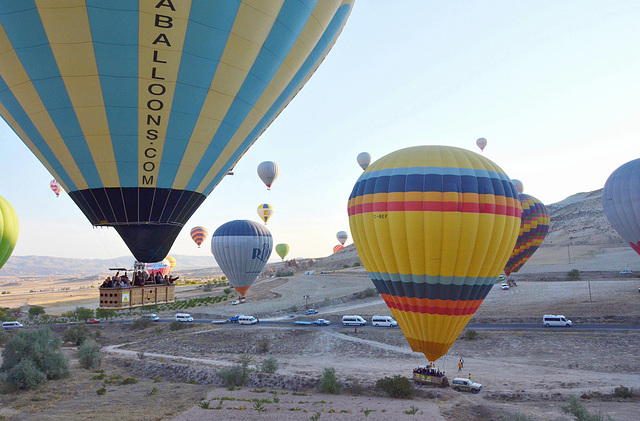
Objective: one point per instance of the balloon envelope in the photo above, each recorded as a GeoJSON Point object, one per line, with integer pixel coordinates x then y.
{"type": "Point", "coordinates": [268, 171]}
{"type": "Point", "coordinates": [534, 227]}
{"type": "Point", "coordinates": [482, 143]}
{"type": "Point", "coordinates": [172, 263]}
{"type": "Point", "coordinates": [621, 202]}
{"type": "Point", "coordinates": [198, 235]}
{"type": "Point", "coordinates": [519, 185]}
{"type": "Point", "coordinates": [139, 109]}
{"type": "Point", "coordinates": [434, 227]}
{"type": "Point", "coordinates": [242, 249]}
{"type": "Point", "coordinates": [55, 187]}
{"type": "Point", "coordinates": [9, 228]}
{"type": "Point", "coordinates": [364, 159]}
{"type": "Point", "coordinates": [163, 267]}
{"type": "Point", "coordinates": [342, 236]}
{"type": "Point", "coordinates": [282, 249]}
{"type": "Point", "coordinates": [265, 211]}
{"type": "Point", "coordinates": [338, 248]}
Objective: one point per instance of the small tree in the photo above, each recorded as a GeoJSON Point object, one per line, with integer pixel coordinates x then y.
{"type": "Point", "coordinates": [77, 334]}
{"type": "Point", "coordinates": [89, 355]}
{"type": "Point", "coordinates": [105, 313]}
{"type": "Point", "coordinates": [470, 334]}
{"type": "Point", "coordinates": [329, 382]}
{"type": "Point", "coordinates": [270, 365]}
{"type": "Point", "coordinates": [35, 311]}
{"type": "Point", "coordinates": [573, 274]}
{"type": "Point", "coordinates": [396, 387]}
{"type": "Point", "coordinates": [83, 313]}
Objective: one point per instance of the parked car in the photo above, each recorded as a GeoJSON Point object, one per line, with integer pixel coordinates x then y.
{"type": "Point", "coordinates": [465, 385]}
{"type": "Point", "coordinates": [92, 321]}
{"type": "Point", "coordinates": [311, 311]}
{"type": "Point", "coordinates": [235, 303]}
{"type": "Point", "coordinates": [626, 272]}
{"type": "Point", "coordinates": [151, 316]}
{"type": "Point", "coordinates": [504, 286]}
{"type": "Point", "coordinates": [234, 319]}
{"type": "Point", "coordinates": [322, 322]}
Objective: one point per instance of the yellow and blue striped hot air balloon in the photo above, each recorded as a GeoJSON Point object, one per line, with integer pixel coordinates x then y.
{"type": "Point", "coordinates": [140, 108]}
{"type": "Point", "coordinates": [9, 227]}
{"type": "Point", "coordinates": [198, 235]}
{"type": "Point", "coordinates": [533, 228]}
{"type": "Point", "coordinates": [434, 226]}
{"type": "Point", "coordinates": [265, 211]}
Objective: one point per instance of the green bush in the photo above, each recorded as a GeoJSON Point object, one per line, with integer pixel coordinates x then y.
{"type": "Point", "coordinates": [105, 313]}
{"type": "Point", "coordinates": [77, 334]}
{"type": "Point", "coordinates": [470, 334]}
{"type": "Point", "coordinates": [89, 355]}
{"type": "Point", "coordinates": [101, 391]}
{"type": "Point", "coordinates": [36, 311]}
{"type": "Point", "coordinates": [263, 347]}
{"type": "Point", "coordinates": [238, 375]}
{"type": "Point", "coordinates": [581, 413]}
{"type": "Point", "coordinates": [141, 323]}
{"type": "Point", "coordinates": [270, 365]}
{"type": "Point", "coordinates": [83, 313]}
{"type": "Point", "coordinates": [25, 375]}
{"type": "Point", "coordinates": [356, 264]}
{"type": "Point", "coordinates": [573, 274]}
{"type": "Point", "coordinates": [329, 382]}
{"type": "Point", "coordinates": [623, 392]}
{"type": "Point", "coordinates": [40, 350]}
{"type": "Point", "coordinates": [396, 387]}
{"type": "Point", "coordinates": [208, 287]}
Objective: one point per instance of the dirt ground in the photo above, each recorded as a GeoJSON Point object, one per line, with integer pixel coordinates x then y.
{"type": "Point", "coordinates": [527, 372]}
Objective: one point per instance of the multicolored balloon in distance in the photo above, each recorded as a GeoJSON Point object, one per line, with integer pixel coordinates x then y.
{"type": "Point", "coordinates": [534, 227]}
{"type": "Point", "coordinates": [9, 227]}
{"type": "Point", "coordinates": [139, 125]}
{"type": "Point", "coordinates": [268, 171]}
{"type": "Point", "coordinates": [55, 187]}
{"type": "Point", "coordinates": [198, 235]}
{"type": "Point", "coordinates": [242, 249]}
{"type": "Point", "coordinates": [621, 202]}
{"type": "Point", "coordinates": [338, 248]}
{"type": "Point", "coordinates": [482, 143]}
{"type": "Point", "coordinates": [172, 263]}
{"type": "Point", "coordinates": [434, 227]}
{"type": "Point", "coordinates": [342, 237]}
{"type": "Point", "coordinates": [282, 250]}
{"type": "Point", "coordinates": [265, 211]}
{"type": "Point", "coordinates": [163, 267]}
{"type": "Point", "coordinates": [364, 159]}
{"type": "Point", "coordinates": [519, 185]}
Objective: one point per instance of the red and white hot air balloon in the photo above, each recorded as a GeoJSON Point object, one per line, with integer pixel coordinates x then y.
{"type": "Point", "coordinates": [55, 186]}
{"type": "Point", "coordinates": [482, 143]}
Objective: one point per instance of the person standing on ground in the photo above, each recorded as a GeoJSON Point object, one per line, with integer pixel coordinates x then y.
{"type": "Point", "coordinates": [469, 376]}
{"type": "Point", "coordinates": [461, 362]}
{"type": "Point", "coordinates": [459, 366]}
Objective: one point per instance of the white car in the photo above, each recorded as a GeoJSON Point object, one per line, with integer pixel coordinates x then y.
{"type": "Point", "coordinates": [625, 272]}
{"type": "Point", "coordinates": [322, 322]}
{"type": "Point", "coordinates": [504, 286]}
{"type": "Point", "coordinates": [235, 303]}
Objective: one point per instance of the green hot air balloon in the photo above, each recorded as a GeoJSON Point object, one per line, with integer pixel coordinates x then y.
{"type": "Point", "coordinates": [9, 227]}
{"type": "Point", "coordinates": [140, 108]}
{"type": "Point", "coordinates": [282, 249]}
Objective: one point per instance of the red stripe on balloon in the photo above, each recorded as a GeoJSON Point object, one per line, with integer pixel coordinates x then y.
{"type": "Point", "coordinates": [433, 206]}
{"type": "Point", "coordinates": [455, 311]}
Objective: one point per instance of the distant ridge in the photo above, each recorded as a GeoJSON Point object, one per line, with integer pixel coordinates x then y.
{"type": "Point", "coordinates": [577, 220]}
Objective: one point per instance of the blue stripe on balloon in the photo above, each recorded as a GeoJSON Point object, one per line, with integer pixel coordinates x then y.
{"type": "Point", "coordinates": [292, 18]}
{"type": "Point", "coordinates": [242, 227]}
{"type": "Point", "coordinates": [210, 23]}
{"type": "Point", "coordinates": [22, 119]}
{"type": "Point", "coordinates": [311, 61]}
{"type": "Point", "coordinates": [117, 60]}
{"type": "Point", "coordinates": [27, 35]}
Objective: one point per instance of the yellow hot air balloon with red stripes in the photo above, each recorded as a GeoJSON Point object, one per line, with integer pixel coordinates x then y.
{"type": "Point", "coordinates": [434, 226]}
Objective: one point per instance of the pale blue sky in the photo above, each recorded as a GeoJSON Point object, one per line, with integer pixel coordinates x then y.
{"type": "Point", "coordinates": [553, 86]}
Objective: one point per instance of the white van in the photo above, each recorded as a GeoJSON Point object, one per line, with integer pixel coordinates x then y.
{"type": "Point", "coordinates": [353, 321]}
{"type": "Point", "coordinates": [151, 316]}
{"type": "Point", "coordinates": [183, 317]}
{"type": "Point", "coordinates": [386, 321]}
{"type": "Point", "coordinates": [11, 325]}
{"type": "Point", "coordinates": [247, 320]}
{"type": "Point", "coordinates": [556, 320]}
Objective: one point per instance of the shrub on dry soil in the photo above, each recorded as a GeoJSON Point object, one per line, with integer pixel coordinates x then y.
{"type": "Point", "coordinates": [581, 413]}
{"type": "Point", "coordinates": [329, 382]}
{"type": "Point", "coordinates": [263, 347]}
{"type": "Point", "coordinates": [396, 387]}
{"type": "Point", "coordinates": [623, 392]}
{"type": "Point", "coordinates": [31, 352]}
{"type": "Point", "coordinates": [77, 334]}
{"type": "Point", "coordinates": [141, 323]}
{"type": "Point", "coordinates": [270, 365]}
{"type": "Point", "coordinates": [470, 334]}
{"type": "Point", "coordinates": [89, 356]}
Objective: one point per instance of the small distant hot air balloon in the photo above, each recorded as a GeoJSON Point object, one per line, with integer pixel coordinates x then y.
{"type": "Point", "coordinates": [282, 249]}
{"type": "Point", "coordinates": [163, 267]}
{"type": "Point", "coordinates": [434, 227]}
{"type": "Point", "coordinates": [9, 227]}
{"type": "Point", "coordinates": [534, 227]}
{"type": "Point", "coordinates": [482, 143]}
{"type": "Point", "coordinates": [519, 186]}
{"type": "Point", "coordinates": [268, 171]}
{"type": "Point", "coordinates": [172, 263]}
{"type": "Point", "coordinates": [55, 187]}
{"type": "Point", "coordinates": [242, 249]}
{"type": "Point", "coordinates": [338, 248]}
{"type": "Point", "coordinates": [198, 235]}
{"type": "Point", "coordinates": [364, 159]}
{"type": "Point", "coordinates": [265, 211]}
{"type": "Point", "coordinates": [621, 202]}
{"type": "Point", "coordinates": [342, 237]}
